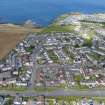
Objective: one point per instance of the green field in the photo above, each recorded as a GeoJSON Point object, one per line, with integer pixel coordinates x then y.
{"type": "Point", "coordinates": [58, 28]}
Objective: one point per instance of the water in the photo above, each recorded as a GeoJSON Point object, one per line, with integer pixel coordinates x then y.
{"type": "Point", "coordinates": [44, 12]}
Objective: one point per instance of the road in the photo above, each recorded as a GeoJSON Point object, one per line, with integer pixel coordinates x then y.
{"type": "Point", "coordinates": [60, 92]}
{"type": "Point", "coordinates": [34, 68]}
{"type": "Point", "coordinates": [35, 64]}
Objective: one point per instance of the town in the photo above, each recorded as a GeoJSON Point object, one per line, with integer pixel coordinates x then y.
{"type": "Point", "coordinates": [42, 100]}
{"type": "Point", "coordinates": [55, 60]}
{"type": "Point", "coordinates": [58, 60]}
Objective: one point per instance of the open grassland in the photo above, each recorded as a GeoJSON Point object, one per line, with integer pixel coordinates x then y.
{"type": "Point", "coordinates": [58, 28]}
{"type": "Point", "coordinates": [10, 35]}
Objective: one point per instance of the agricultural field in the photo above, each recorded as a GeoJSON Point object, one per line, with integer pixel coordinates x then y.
{"type": "Point", "coordinates": [10, 35]}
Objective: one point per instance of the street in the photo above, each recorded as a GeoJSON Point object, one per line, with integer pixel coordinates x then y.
{"type": "Point", "coordinates": [60, 92]}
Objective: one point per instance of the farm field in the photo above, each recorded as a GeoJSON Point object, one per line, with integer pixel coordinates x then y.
{"type": "Point", "coordinates": [10, 35]}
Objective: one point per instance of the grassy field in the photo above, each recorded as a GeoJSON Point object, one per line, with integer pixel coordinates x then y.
{"type": "Point", "coordinates": [57, 28]}
{"type": "Point", "coordinates": [74, 100]}
{"type": "Point", "coordinates": [10, 35]}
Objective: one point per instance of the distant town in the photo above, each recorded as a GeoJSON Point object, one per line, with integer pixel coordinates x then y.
{"type": "Point", "coordinates": [67, 55]}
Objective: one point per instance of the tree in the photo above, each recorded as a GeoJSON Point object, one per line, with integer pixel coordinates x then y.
{"type": "Point", "coordinates": [78, 78]}
{"type": "Point", "coordinates": [88, 42]}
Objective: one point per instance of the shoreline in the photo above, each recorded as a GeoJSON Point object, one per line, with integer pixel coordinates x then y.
{"type": "Point", "coordinates": [53, 20]}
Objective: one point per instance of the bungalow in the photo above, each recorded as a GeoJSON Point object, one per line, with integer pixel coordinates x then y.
{"type": "Point", "coordinates": [8, 82]}
{"type": "Point", "coordinates": [40, 100]}
{"type": "Point", "coordinates": [17, 101]}
{"type": "Point", "coordinates": [21, 83]}
{"type": "Point", "coordinates": [11, 81]}
{"type": "Point", "coordinates": [5, 75]}
{"type": "Point", "coordinates": [70, 78]}
{"type": "Point", "coordinates": [26, 60]}
{"type": "Point", "coordinates": [6, 68]}
{"type": "Point", "coordinates": [89, 83]}
{"type": "Point", "coordinates": [15, 72]}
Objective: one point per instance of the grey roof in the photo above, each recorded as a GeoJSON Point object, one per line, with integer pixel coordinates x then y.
{"type": "Point", "coordinates": [5, 75]}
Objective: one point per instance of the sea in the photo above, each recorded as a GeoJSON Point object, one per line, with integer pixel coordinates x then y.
{"type": "Point", "coordinates": [43, 12]}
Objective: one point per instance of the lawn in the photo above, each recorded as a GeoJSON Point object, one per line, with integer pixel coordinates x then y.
{"type": "Point", "coordinates": [89, 35]}
{"type": "Point", "coordinates": [70, 99]}
{"type": "Point", "coordinates": [95, 56]}
{"type": "Point", "coordinates": [15, 88]}
{"type": "Point", "coordinates": [57, 28]}
{"type": "Point", "coordinates": [53, 56]}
